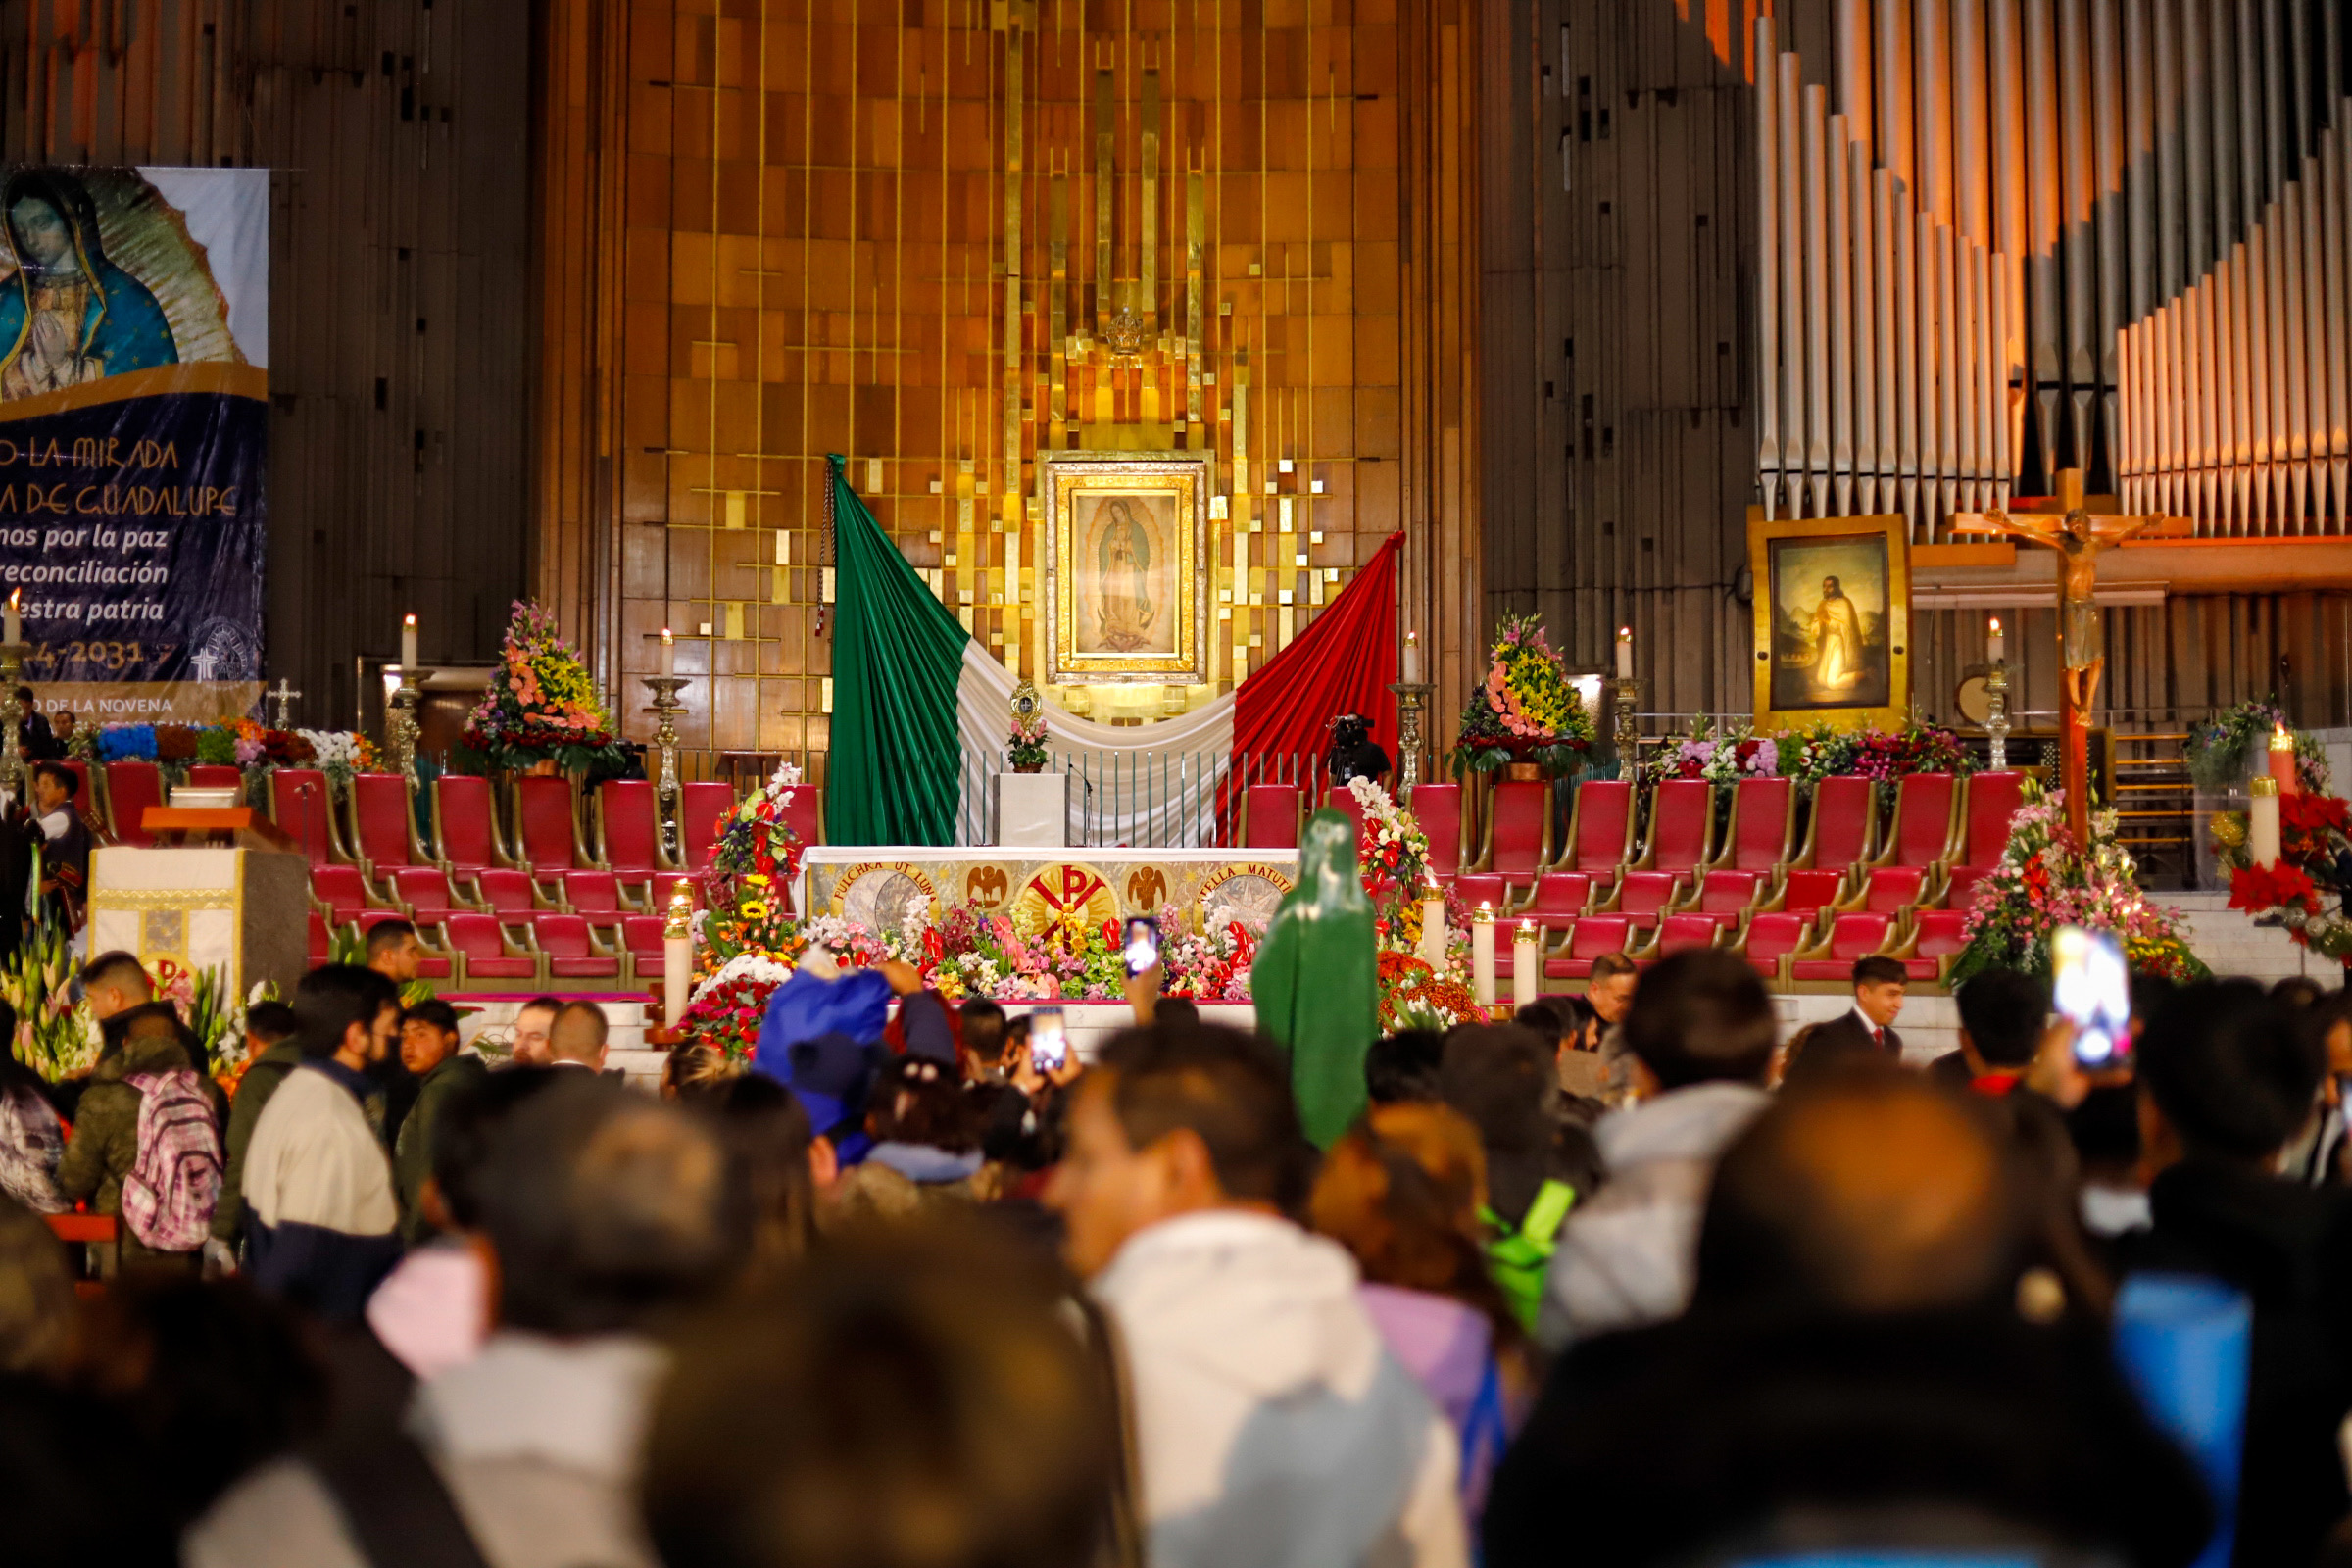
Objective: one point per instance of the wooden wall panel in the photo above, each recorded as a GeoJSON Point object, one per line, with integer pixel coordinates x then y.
{"type": "Point", "coordinates": [398, 135]}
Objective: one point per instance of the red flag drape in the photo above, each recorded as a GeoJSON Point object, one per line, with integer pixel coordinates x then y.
{"type": "Point", "coordinates": [1343, 662]}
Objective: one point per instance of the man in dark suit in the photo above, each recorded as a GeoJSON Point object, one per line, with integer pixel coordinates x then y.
{"type": "Point", "coordinates": [1868, 1030]}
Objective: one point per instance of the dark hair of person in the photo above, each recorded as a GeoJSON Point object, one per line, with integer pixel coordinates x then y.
{"type": "Point", "coordinates": [1402, 1068]}
{"type": "Point", "coordinates": [1544, 1018]}
{"type": "Point", "coordinates": [65, 776]}
{"type": "Point", "coordinates": [765, 1135]}
{"type": "Point", "coordinates": [37, 1291]}
{"type": "Point", "coordinates": [464, 1130]}
{"type": "Point", "coordinates": [1181, 1012]}
{"type": "Point", "coordinates": [918, 1400]}
{"type": "Point", "coordinates": [607, 1211]}
{"type": "Point", "coordinates": [541, 1005]}
{"type": "Point", "coordinates": [1506, 1082]}
{"type": "Point", "coordinates": [1225, 1088]}
{"type": "Point", "coordinates": [386, 935]}
{"type": "Point", "coordinates": [24, 694]}
{"type": "Point", "coordinates": [1608, 966]}
{"type": "Point", "coordinates": [333, 997]}
{"type": "Point", "coordinates": [2233, 1070]}
{"type": "Point", "coordinates": [116, 968]}
{"type": "Point", "coordinates": [62, 1491]}
{"type": "Point", "coordinates": [1701, 1016]}
{"type": "Point", "coordinates": [917, 1101]}
{"type": "Point", "coordinates": [212, 1376]}
{"type": "Point", "coordinates": [2105, 1130]}
{"type": "Point", "coordinates": [1876, 970]}
{"type": "Point", "coordinates": [981, 1024]}
{"type": "Point", "coordinates": [434, 1011]}
{"type": "Point", "coordinates": [2299, 991]}
{"type": "Point", "coordinates": [271, 1021]}
{"type": "Point", "coordinates": [1577, 1014]}
{"type": "Point", "coordinates": [2003, 1012]}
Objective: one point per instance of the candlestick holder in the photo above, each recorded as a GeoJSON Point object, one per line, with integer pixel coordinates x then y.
{"type": "Point", "coordinates": [1996, 723]}
{"type": "Point", "coordinates": [1410, 696]}
{"type": "Point", "coordinates": [12, 720]}
{"type": "Point", "coordinates": [400, 727]}
{"type": "Point", "coordinates": [665, 710]}
{"type": "Point", "coordinates": [1627, 692]}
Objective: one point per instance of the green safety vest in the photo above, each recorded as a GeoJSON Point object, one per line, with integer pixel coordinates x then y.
{"type": "Point", "coordinates": [1519, 1257]}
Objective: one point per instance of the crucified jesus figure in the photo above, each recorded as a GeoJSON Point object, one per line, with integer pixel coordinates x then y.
{"type": "Point", "coordinates": [2077, 536]}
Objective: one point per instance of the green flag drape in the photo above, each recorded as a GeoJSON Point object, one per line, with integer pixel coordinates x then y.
{"type": "Point", "coordinates": [1317, 979]}
{"type": "Point", "coordinates": [897, 654]}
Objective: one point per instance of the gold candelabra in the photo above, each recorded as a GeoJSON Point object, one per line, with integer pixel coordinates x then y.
{"type": "Point", "coordinates": [400, 727]}
{"type": "Point", "coordinates": [666, 709]}
{"type": "Point", "coordinates": [1626, 691]}
{"type": "Point", "coordinates": [1411, 694]}
{"type": "Point", "coordinates": [12, 720]}
{"type": "Point", "coordinates": [1997, 722]}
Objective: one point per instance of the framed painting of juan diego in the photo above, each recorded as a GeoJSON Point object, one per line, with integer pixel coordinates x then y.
{"type": "Point", "coordinates": [1126, 559]}
{"type": "Point", "coordinates": [1833, 611]}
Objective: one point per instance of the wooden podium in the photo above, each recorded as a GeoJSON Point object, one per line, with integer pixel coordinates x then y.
{"type": "Point", "coordinates": [235, 901]}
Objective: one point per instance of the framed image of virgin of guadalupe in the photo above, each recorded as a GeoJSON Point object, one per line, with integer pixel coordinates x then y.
{"type": "Point", "coordinates": [1126, 568]}
{"type": "Point", "coordinates": [1833, 621]}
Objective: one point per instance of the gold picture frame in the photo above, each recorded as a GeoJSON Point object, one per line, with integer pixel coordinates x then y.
{"type": "Point", "coordinates": [1127, 549]}
{"type": "Point", "coordinates": [1833, 621]}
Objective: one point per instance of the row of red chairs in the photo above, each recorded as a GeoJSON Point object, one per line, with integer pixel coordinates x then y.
{"type": "Point", "coordinates": [471, 948]}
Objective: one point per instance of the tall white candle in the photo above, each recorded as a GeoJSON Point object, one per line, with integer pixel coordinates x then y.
{"type": "Point", "coordinates": [1432, 931]}
{"type": "Point", "coordinates": [1481, 955]}
{"type": "Point", "coordinates": [669, 653]}
{"type": "Point", "coordinates": [1625, 653]}
{"type": "Point", "coordinates": [408, 646]}
{"type": "Point", "coordinates": [16, 618]}
{"type": "Point", "coordinates": [1995, 643]}
{"type": "Point", "coordinates": [1413, 657]}
{"type": "Point", "coordinates": [2262, 820]}
{"type": "Point", "coordinates": [677, 957]}
{"type": "Point", "coordinates": [1527, 964]}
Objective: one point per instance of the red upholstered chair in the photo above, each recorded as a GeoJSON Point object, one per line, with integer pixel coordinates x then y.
{"type": "Point", "coordinates": [1849, 937]}
{"type": "Point", "coordinates": [1845, 830]}
{"type": "Point", "coordinates": [299, 804]}
{"type": "Point", "coordinates": [658, 890]}
{"type": "Point", "coordinates": [1682, 828]}
{"type": "Point", "coordinates": [1557, 900]}
{"type": "Point", "coordinates": [644, 951]}
{"type": "Point", "coordinates": [465, 826]}
{"type": "Point", "coordinates": [381, 827]}
{"type": "Point", "coordinates": [702, 806]}
{"type": "Point", "coordinates": [1518, 842]}
{"type": "Point", "coordinates": [804, 813]}
{"type": "Point", "coordinates": [508, 894]}
{"type": "Point", "coordinates": [342, 890]}
{"type": "Point", "coordinates": [1344, 802]}
{"type": "Point", "coordinates": [1270, 816]}
{"type": "Point", "coordinates": [424, 892]}
{"type": "Point", "coordinates": [1990, 801]}
{"type": "Point", "coordinates": [1935, 941]}
{"type": "Point", "coordinates": [628, 828]}
{"type": "Point", "coordinates": [215, 776]}
{"type": "Point", "coordinates": [486, 955]}
{"type": "Point", "coordinates": [1591, 936]}
{"type": "Point", "coordinates": [1475, 888]}
{"type": "Point", "coordinates": [1675, 932]}
{"type": "Point", "coordinates": [1643, 895]}
{"type": "Point", "coordinates": [321, 943]}
{"type": "Point", "coordinates": [85, 798]}
{"type": "Point", "coordinates": [131, 788]}
{"type": "Point", "coordinates": [1601, 830]}
{"type": "Point", "coordinates": [1926, 813]}
{"type": "Point", "coordinates": [546, 828]}
{"type": "Point", "coordinates": [1437, 807]}
{"type": "Point", "coordinates": [1771, 939]}
{"type": "Point", "coordinates": [1807, 892]}
{"type": "Point", "coordinates": [1762, 835]}
{"type": "Point", "coordinates": [1724, 895]}
{"type": "Point", "coordinates": [596, 895]}
{"type": "Point", "coordinates": [571, 950]}
{"type": "Point", "coordinates": [1887, 890]}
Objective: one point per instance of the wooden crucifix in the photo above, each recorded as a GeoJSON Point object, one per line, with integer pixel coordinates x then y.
{"type": "Point", "coordinates": [2077, 536]}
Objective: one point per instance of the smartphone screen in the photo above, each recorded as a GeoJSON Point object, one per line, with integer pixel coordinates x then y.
{"type": "Point", "coordinates": [1142, 944]}
{"type": "Point", "coordinates": [1049, 1040]}
{"type": "Point", "coordinates": [2091, 984]}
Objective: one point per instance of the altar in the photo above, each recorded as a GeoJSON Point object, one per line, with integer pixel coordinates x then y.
{"type": "Point", "coordinates": [239, 911]}
{"type": "Point", "coordinates": [882, 887]}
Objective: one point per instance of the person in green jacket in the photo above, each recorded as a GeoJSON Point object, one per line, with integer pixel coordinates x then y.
{"type": "Point", "coordinates": [105, 1144]}
{"type": "Point", "coordinates": [270, 1052]}
{"type": "Point", "coordinates": [1316, 980]}
{"type": "Point", "coordinates": [428, 1049]}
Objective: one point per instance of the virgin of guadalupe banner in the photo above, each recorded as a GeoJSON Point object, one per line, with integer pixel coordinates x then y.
{"type": "Point", "coordinates": [134, 351]}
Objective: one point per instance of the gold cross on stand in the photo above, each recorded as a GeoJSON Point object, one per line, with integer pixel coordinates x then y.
{"type": "Point", "coordinates": [2077, 535]}
{"type": "Point", "coordinates": [285, 696]}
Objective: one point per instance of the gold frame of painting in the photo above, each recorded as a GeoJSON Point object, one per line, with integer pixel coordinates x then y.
{"type": "Point", "coordinates": [1834, 650]}
{"type": "Point", "coordinates": [1067, 479]}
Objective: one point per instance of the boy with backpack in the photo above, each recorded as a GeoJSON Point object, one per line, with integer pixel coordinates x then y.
{"type": "Point", "coordinates": [146, 1144]}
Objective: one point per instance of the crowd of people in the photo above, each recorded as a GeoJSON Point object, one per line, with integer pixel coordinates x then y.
{"type": "Point", "coordinates": [1631, 1279]}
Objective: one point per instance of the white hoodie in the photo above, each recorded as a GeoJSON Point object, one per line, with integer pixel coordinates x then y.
{"type": "Point", "coordinates": [1627, 1257]}
{"type": "Point", "coordinates": [1273, 1428]}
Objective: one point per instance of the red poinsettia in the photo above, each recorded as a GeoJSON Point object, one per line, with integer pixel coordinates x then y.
{"type": "Point", "coordinates": [2256, 887]}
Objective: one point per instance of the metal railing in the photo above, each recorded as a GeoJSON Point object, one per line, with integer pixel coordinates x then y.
{"type": "Point", "coordinates": [1141, 799]}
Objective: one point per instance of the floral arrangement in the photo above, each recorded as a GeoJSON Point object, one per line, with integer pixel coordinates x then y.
{"type": "Point", "coordinates": [2226, 749]}
{"type": "Point", "coordinates": [726, 1008]}
{"type": "Point", "coordinates": [1825, 750]}
{"type": "Point", "coordinates": [1525, 711]}
{"type": "Point", "coordinates": [754, 840]}
{"type": "Point", "coordinates": [242, 744]}
{"type": "Point", "coordinates": [2304, 893]}
{"type": "Point", "coordinates": [2045, 880]}
{"type": "Point", "coordinates": [56, 1036]}
{"type": "Point", "coordinates": [1392, 858]}
{"type": "Point", "coordinates": [541, 704]}
{"type": "Point", "coordinates": [338, 752]}
{"type": "Point", "coordinates": [1717, 756]}
{"type": "Point", "coordinates": [1026, 749]}
{"type": "Point", "coordinates": [1414, 996]}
